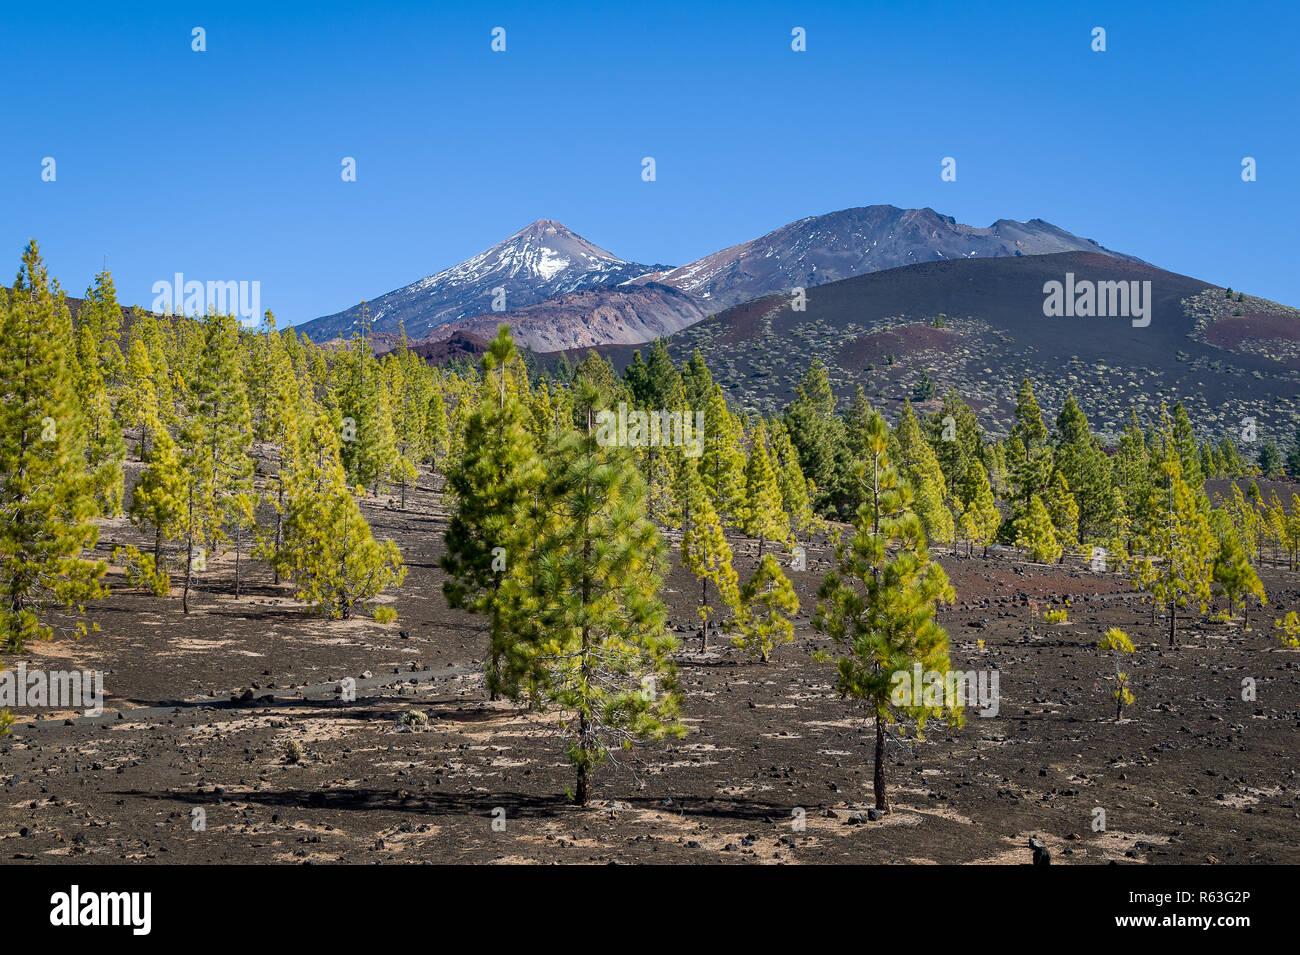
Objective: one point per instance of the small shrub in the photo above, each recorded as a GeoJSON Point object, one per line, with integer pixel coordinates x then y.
{"type": "Point", "coordinates": [1058, 615]}
{"type": "Point", "coordinates": [1117, 641]}
{"type": "Point", "coordinates": [385, 615]}
{"type": "Point", "coordinates": [1289, 630]}
{"type": "Point", "coordinates": [293, 751]}
{"type": "Point", "coordinates": [413, 721]}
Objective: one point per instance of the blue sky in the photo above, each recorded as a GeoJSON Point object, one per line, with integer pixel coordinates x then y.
{"type": "Point", "coordinates": [225, 165]}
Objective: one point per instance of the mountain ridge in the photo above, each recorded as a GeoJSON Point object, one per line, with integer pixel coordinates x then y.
{"type": "Point", "coordinates": [537, 275]}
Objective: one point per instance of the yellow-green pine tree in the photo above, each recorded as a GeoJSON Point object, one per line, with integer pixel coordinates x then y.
{"type": "Point", "coordinates": [46, 496]}
{"type": "Point", "coordinates": [878, 605]}
{"type": "Point", "coordinates": [705, 551]}
{"type": "Point", "coordinates": [767, 602]}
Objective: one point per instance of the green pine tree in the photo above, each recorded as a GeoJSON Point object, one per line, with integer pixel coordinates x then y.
{"type": "Point", "coordinates": [46, 497]}
{"type": "Point", "coordinates": [1037, 535]}
{"type": "Point", "coordinates": [878, 605]}
{"type": "Point", "coordinates": [767, 602]}
{"type": "Point", "coordinates": [601, 653]}
{"type": "Point", "coordinates": [1234, 575]}
{"type": "Point", "coordinates": [1087, 472]}
{"type": "Point", "coordinates": [705, 551]}
{"type": "Point", "coordinates": [722, 463]}
{"type": "Point", "coordinates": [215, 443]}
{"type": "Point", "coordinates": [1181, 542]}
{"type": "Point", "coordinates": [492, 486]}
{"type": "Point", "coordinates": [328, 550]}
{"type": "Point", "coordinates": [1064, 513]}
{"type": "Point", "coordinates": [919, 466]}
{"type": "Point", "coordinates": [761, 513]}
{"type": "Point", "coordinates": [158, 505]}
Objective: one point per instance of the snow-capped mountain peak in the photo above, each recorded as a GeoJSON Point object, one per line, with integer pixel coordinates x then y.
{"type": "Point", "coordinates": [543, 259]}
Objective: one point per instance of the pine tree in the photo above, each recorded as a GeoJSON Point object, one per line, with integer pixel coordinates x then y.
{"type": "Point", "coordinates": [919, 466]}
{"type": "Point", "coordinates": [1230, 461]}
{"type": "Point", "coordinates": [767, 602]}
{"type": "Point", "coordinates": [1117, 641]}
{"type": "Point", "coordinates": [158, 502]}
{"type": "Point", "coordinates": [601, 652]}
{"type": "Point", "coordinates": [819, 436]}
{"type": "Point", "coordinates": [1288, 629]}
{"type": "Point", "coordinates": [1087, 472]}
{"type": "Point", "coordinates": [104, 446]}
{"type": "Point", "coordinates": [1270, 460]}
{"type": "Point", "coordinates": [1184, 439]}
{"type": "Point", "coordinates": [722, 463]}
{"type": "Point", "coordinates": [665, 388]}
{"type": "Point", "coordinates": [492, 485]}
{"type": "Point", "coordinates": [328, 550]}
{"type": "Point", "coordinates": [1181, 542]}
{"type": "Point", "coordinates": [437, 432]}
{"type": "Point", "coordinates": [1293, 456]}
{"type": "Point", "coordinates": [761, 514]}
{"type": "Point", "coordinates": [856, 427]}
{"type": "Point", "coordinates": [697, 382]}
{"type": "Point", "coordinates": [980, 516]}
{"type": "Point", "coordinates": [47, 504]}
{"type": "Point", "coordinates": [1132, 475]}
{"type": "Point", "coordinates": [878, 605]}
{"type": "Point", "coordinates": [637, 377]}
{"type": "Point", "coordinates": [370, 441]}
{"type": "Point", "coordinates": [404, 475]}
{"type": "Point", "coordinates": [955, 435]}
{"type": "Point", "coordinates": [282, 427]}
{"type": "Point", "coordinates": [1064, 513]}
{"type": "Point", "coordinates": [1037, 535]}
{"type": "Point", "coordinates": [102, 316]}
{"type": "Point", "coordinates": [705, 551]}
{"type": "Point", "coordinates": [139, 404]}
{"type": "Point", "coordinates": [1238, 580]}
{"type": "Point", "coordinates": [146, 330]}
{"type": "Point", "coordinates": [215, 441]}
{"type": "Point", "coordinates": [795, 493]}
{"type": "Point", "coordinates": [1029, 459]}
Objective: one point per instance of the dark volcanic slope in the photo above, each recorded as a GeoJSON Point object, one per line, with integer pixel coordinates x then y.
{"type": "Point", "coordinates": [880, 331]}
{"type": "Point", "coordinates": [625, 315]}
{"type": "Point", "coordinates": [839, 245]}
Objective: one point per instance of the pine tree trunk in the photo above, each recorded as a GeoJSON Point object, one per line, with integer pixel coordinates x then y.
{"type": "Point", "coordinates": [580, 793]}
{"type": "Point", "coordinates": [878, 783]}
{"type": "Point", "coordinates": [1173, 618]}
{"type": "Point", "coordinates": [189, 554]}
{"type": "Point", "coordinates": [279, 527]}
{"type": "Point", "coordinates": [704, 620]}
{"type": "Point", "coordinates": [492, 678]}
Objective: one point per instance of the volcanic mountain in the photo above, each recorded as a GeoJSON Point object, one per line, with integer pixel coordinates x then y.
{"type": "Point", "coordinates": [979, 326]}
{"type": "Point", "coordinates": [838, 245]}
{"type": "Point", "coordinates": [561, 291]}
{"type": "Point", "coordinates": [541, 260]}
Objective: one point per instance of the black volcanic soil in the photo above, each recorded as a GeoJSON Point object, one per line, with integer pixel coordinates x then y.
{"type": "Point", "coordinates": [1192, 774]}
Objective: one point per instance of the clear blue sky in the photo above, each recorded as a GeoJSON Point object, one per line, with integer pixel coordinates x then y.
{"type": "Point", "coordinates": [225, 164]}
